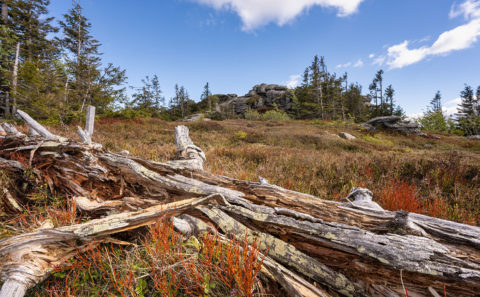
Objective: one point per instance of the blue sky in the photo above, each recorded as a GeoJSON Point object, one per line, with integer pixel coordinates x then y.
{"type": "Point", "coordinates": [234, 44]}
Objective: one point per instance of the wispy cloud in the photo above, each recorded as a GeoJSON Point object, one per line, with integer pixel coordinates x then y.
{"type": "Point", "coordinates": [450, 107]}
{"type": "Point", "coordinates": [257, 13]}
{"type": "Point", "coordinates": [359, 63]}
{"type": "Point", "coordinates": [346, 65]}
{"type": "Point", "coordinates": [293, 81]}
{"type": "Point", "coordinates": [459, 38]}
{"type": "Point", "coordinates": [379, 60]}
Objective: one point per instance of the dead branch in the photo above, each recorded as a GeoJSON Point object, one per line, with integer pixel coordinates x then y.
{"type": "Point", "coordinates": [317, 247]}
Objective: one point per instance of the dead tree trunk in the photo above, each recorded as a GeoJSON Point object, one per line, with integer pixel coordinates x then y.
{"type": "Point", "coordinates": [314, 247]}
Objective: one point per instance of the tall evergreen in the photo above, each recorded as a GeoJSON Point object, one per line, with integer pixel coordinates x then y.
{"type": "Point", "coordinates": [467, 116]}
{"type": "Point", "coordinates": [149, 97]}
{"type": "Point", "coordinates": [436, 102]}
{"type": "Point", "coordinates": [433, 119]}
{"type": "Point", "coordinates": [389, 93]}
{"type": "Point", "coordinates": [87, 83]}
{"type": "Point", "coordinates": [207, 95]}
{"type": "Point", "coordinates": [316, 82]}
{"type": "Point", "coordinates": [28, 56]}
{"type": "Point", "coordinates": [379, 80]}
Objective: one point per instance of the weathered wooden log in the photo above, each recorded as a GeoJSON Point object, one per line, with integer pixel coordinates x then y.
{"type": "Point", "coordinates": [353, 248]}
{"type": "Point", "coordinates": [35, 125]}
{"type": "Point", "coordinates": [27, 259]}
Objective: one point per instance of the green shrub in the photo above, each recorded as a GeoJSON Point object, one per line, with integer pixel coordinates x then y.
{"type": "Point", "coordinates": [273, 115]}
{"type": "Point", "coordinates": [240, 135]}
{"type": "Point", "coordinates": [270, 115]}
{"type": "Point", "coordinates": [252, 115]}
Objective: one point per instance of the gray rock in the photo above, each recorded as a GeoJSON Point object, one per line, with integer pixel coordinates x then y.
{"type": "Point", "coordinates": [262, 96]}
{"type": "Point", "coordinates": [394, 123]}
{"type": "Point", "coordinates": [474, 137]}
{"type": "Point", "coordinates": [193, 118]}
{"type": "Point", "coordinates": [346, 135]}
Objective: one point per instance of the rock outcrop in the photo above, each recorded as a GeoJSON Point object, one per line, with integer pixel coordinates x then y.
{"type": "Point", "coordinates": [261, 97]}
{"type": "Point", "coordinates": [393, 123]}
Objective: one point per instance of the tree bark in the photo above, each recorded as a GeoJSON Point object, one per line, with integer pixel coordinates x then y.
{"type": "Point", "coordinates": [313, 247]}
{"type": "Point", "coordinates": [4, 12]}
{"type": "Point", "coordinates": [15, 78]}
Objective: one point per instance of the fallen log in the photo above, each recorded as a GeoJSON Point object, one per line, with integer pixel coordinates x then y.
{"type": "Point", "coordinates": [354, 248]}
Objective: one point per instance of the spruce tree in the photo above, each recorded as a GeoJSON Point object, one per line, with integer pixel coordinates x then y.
{"type": "Point", "coordinates": [467, 117]}
{"type": "Point", "coordinates": [436, 102]}
{"type": "Point", "coordinates": [149, 97]}
{"type": "Point", "coordinates": [207, 95]}
{"type": "Point", "coordinates": [87, 82]}
{"type": "Point", "coordinates": [379, 80]}
{"type": "Point", "coordinates": [389, 92]}
{"type": "Point", "coordinates": [433, 119]}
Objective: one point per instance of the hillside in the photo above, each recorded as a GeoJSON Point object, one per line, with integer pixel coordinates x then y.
{"type": "Point", "coordinates": [283, 249]}
{"type": "Point", "coordinates": [441, 174]}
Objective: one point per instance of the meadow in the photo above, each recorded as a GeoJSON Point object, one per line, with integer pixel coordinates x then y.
{"type": "Point", "coordinates": [436, 177]}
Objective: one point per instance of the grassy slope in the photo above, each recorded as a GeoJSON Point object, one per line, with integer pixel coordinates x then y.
{"type": "Point", "coordinates": [435, 177]}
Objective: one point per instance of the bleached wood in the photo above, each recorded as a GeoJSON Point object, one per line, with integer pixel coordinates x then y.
{"type": "Point", "coordinates": [84, 136]}
{"type": "Point", "coordinates": [13, 288]}
{"type": "Point", "coordinates": [35, 125]}
{"type": "Point", "coordinates": [352, 248]}
{"type": "Point", "coordinates": [188, 154]}
{"type": "Point", "coordinates": [90, 121]}
{"type": "Point", "coordinates": [30, 257]}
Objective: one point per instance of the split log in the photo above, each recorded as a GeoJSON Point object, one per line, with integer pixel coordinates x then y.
{"type": "Point", "coordinates": [27, 259]}
{"type": "Point", "coordinates": [351, 248]}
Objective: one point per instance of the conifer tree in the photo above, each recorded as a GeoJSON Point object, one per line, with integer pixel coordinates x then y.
{"type": "Point", "coordinates": [433, 119]}
{"type": "Point", "coordinates": [436, 102]}
{"type": "Point", "coordinates": [89, 83]}
{"type": "Point", "coordinates": [389, 92]}
{"type": "Point", "coordinates": [207, 95]}
{"type": "Point", "coordinates": [467, 117]}
{"type": "Point", "coordinates": [149, 97]}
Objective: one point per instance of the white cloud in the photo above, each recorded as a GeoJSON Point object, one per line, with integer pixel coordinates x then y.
{"type": "Point", "coordinates": [450, 107]}
{"type": "Point", "coordinates": [346, 65]}
{"type": "Point", "coordinates": [359, 63]}
{"type": "Point", "coordinates": [293, 81]}
{"type": "Point", "coordinates": [459, 38]}
{"type": "Point", "coordinates": [257, 13]}
{"type": "Point", "coordinates": [371, 56]}
{"type": "Point", "coordinates": [470, 10]}
{"type": "Point", "coordinates": [379, 60]}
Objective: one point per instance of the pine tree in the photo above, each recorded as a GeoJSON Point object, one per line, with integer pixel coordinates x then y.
{"type": "Point", "coordinates": [374, 94]}
{"type": "Point", "coordinates": [316, 82]}
{"type": "Point", "coordinates": [207, 95]}
{"type": "Point", "coordinates": [87, 82]}
{"type": "Point", "coordinates": [379, 80]}
{"type": "Point", "coordinates": [306, 77]}
{"type": "Point", "coordinates": [32, 53]}
{"type": "Point", "coordinates": [149, 97]}
{"type": "Point", "coordinates": [389, 92]}
{"type": "Point", "coordinates": [29, 22]}
{"type": "Point", "coordinates": [433, 119]}
{"type": "Point", "coordinates": [436, 102]}
{"type": "Point", "coordinates": [83, 56]}
{"type": "Point", "coordinates": [467, 118]}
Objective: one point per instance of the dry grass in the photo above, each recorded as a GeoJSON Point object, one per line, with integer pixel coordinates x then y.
{"type": "Point", "coordinates": [165, 264]}
{"type": "Point", "coordinates": [443, 174]}
{"type": "Point", "coordinates": [435, 177]}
